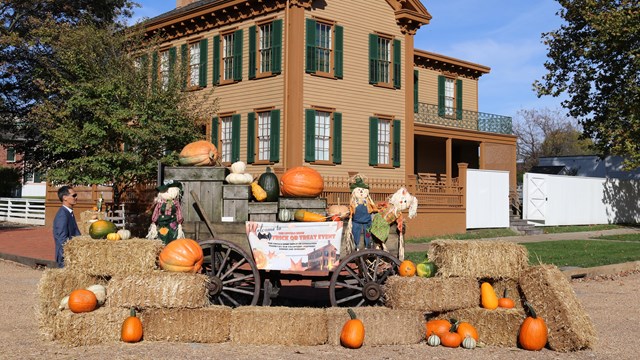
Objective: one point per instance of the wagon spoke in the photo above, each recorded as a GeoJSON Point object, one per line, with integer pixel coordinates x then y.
{"type": "Point", "coordinates": [375, 268]}
{"type": "Point", "coordinates": [238, 279]}
{"type": "Point", "coordinates": [235, 303]}
{"type": "Point", "coordinates": [233, 268]}
{"type": "Point", "coordinates": [237, 290]}
{"type": "Point", "coordinates": [358, 295]}
{"type": "Point", "coordinates": [224, 262]}
{"type": "Point", "coordinates": [355, 276]}
{"type": "Point", "coordinates": [345, 285]}
{"type": "Point", "coordinates": [365, 269]}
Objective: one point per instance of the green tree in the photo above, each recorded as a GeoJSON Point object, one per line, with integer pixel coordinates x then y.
{"type": "Point", "coordinates": [595, 59]}
{"type": "Point", "coordinates": [105, 121]}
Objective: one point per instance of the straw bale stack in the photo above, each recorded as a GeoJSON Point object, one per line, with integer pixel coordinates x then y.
{"type": "Point", "coordinates": [102, 325]}
{"type": "Point", "coordinates": [278, 326]}
{"type": "Point", "coordinates": [478, 259]}
{"type": "Point", "coordinates": [205, 325]}
{"type": "Point", "coordinates": [87, 218]}
{"type": "Point", "coordinates": [511, 285]}
{"type": "Point", "coordinates": [497, 327]}
{"type": "Point", "coordinates": [553, 299]}
{"type": "Point", "coordinates": [431, 294]}
{"type": "Point", "coordinates": [111, 258]}
{"type": "Point", "coordinates": [159, 289]}
{"type": "Point", "coordinates": [382, 326]}
{"type": "Point", "coordinates": [54, 285]}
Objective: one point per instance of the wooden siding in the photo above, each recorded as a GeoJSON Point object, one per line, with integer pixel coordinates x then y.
{"type": "Point", "coordinates": [353, 96]}
{"type": "Point", "coordinates": [428, 89]}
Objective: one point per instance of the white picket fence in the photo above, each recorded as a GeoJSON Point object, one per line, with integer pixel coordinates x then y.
{"type": "Point", "coordinates": [23, 211]}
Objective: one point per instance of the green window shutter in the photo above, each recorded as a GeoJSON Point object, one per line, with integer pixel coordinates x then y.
{"type": "Point", "coordinates": [459, 99]}
{"type": "Point", "coordinates": [373, 59]}
{"type": "Point", "coordinates": [214, 132]}
{"type": "Point", "coordinates": [173, 55]}
{"type": "Point", "coordinates": [310, 135]}
{"type": "Point", "coordinates": [252, 51]}
{"type": "Point", "coordinates": [204, 49]}
{"type": "Point", "coordinates": [183, 65]}
{"type": "Point", "coordinates": [337, 138]}
{"type": "Point", "coordinates": [237, 55]}
{"type": "Point", "coordinates": [235, 138]}
{"type": "Point", "coordinates": [251, 137]}
{"type": "Point", "coordinates": [11, 154]}
{"type": "Point", "coordinates": [397, 135]}
{"type": "Point", "coordinates": [311, 46]}
{"type": "Point", "coordinates": [216, 59]}
{"type": "Point", "coordinates": [416, 78]}
{"type": "Point", "coordinates": [373, 141]}
{"type": "Point", "coordinates": [338, 52]}
{"type": "Point", "coordinates": [274, 145]}
{"type": "Point", "coordinates": [441, 109]}
{"type": "Point", "coordinates": [154, 68]}
{"type": "Point", "coordinates": [276, 47]}
{"type": "Point", "coordinates": [397, 64]}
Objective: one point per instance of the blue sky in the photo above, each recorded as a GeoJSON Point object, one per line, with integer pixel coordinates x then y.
{"type": "Point", "coordinates": [504, 35]}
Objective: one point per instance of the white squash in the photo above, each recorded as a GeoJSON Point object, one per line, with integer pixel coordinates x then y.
{"type": "Point", "coordinates": [124, 234]}
{"type": "Point", "coordinates": [239, 179]}
{"type": "Point", "coordinates": [238, 167]}
{"type": "Point", "coordinates": [469, 343]}
{"type": "Point", "coordinates": [433, 340]}
{"type": "Point", "coordinates": [100, 291]}
{"type": "Point", "coordinates": [64, 303]}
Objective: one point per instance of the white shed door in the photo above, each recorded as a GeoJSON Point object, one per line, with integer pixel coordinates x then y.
{"type": "Point", "coordinates": [536, 197]}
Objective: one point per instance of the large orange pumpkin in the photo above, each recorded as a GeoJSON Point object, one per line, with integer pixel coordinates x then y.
{"type": "Point", "coordinates": [301, 181]}
{"type": "Point", "coordinates": [182, 255]}
{"type": "Point", "coordinates": [352, 335]}
{"type": "Point", "coordinates": [82, 300]}
{"type": "Point", "coordinates": [131, 330]}
{"type": "Point", "coordinates": [533, 331]}
{"type": "Point", "coordinates": [199, 153]}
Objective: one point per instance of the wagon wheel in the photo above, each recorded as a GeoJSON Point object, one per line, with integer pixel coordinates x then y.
{"type": "Point", "coordinates": [358, 279]}
{"type": "Point", "coordinates": [234, 278]}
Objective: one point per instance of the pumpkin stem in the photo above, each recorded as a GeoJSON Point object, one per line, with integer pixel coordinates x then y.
{"type": "Point", "coordinates": [268, 169]}
{"type": "Point", "coordinates": [454, 325]}
{"type": "Point", "coordinates": [530, 309]}
{"type": "Point", "coordinates": [506, 291]}
{"type": "Point", "coordinates": [352, 314]}
{"type": "Point", "coordinates": [132, 312]}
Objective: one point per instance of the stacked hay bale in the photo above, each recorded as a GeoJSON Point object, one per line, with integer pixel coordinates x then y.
{"type": "Point", "coordinates": [464, 265]}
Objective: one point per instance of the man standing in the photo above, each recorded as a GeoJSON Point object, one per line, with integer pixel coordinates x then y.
{"type": "Point", "coordinates": [64, 224]}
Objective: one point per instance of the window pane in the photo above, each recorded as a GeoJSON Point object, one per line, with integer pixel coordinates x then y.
{"type": "Point", "coordinates": [164, 69]}
{"type": "Point", "coordinates": [449, 96]}
{"type": "Point", "coordinates": [384, 141]}
{"type": "Point", "coordinates": [11, 154]}
{"type": "Point", "coordinates": [194, 64]}
{"type": "Point", "coordinates": [265, 47]}
{"type": "Point", "coordinates": [323, 135]}
{"type": "Point", "coordinates": [264, 135]}
{"type": "Point", "coordinates": [323, 47]}
{"type": "Point", "coordinates": [226, 138]}
{"type": "Point", "coordinates": [384, 56]}
{"type": "Point", "coordinates": [227, 56]}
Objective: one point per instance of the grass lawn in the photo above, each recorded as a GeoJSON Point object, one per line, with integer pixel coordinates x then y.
{"type": "Point", "coordinates": [578, 228]}
{"type": "Point", "coordinates": [469, 235]}
{"type": "Point", "coordinates": [583, 253]}
{"type": "Point", "coordinates": [621, 237]}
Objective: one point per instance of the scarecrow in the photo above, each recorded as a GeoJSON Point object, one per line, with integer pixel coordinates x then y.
{"type": "Point", "coordinates": [166, 221]}
{"type": "Point", "coordinates": [361, 206]}
{"type": "Point", "coordinates": [391, 212]}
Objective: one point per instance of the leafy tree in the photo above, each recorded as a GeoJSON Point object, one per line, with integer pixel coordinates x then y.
{"type": "Point", "coordinates": [595, 58]}
{"type": "Point", "coordinates": [9, 180]}
{"type": "Point", "coordinates": [105, 121]}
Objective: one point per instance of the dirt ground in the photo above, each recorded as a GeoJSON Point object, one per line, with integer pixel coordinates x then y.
{"type": "Point", "coordinates": [612, 303]}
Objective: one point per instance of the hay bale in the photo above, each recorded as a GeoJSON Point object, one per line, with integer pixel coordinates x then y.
{"type": "Point", "coordinates": [497, 327]}
{"type": "Point", "coordinates": [87, 218]}
{"type": "Point", "coordinates": [159, 289]}
{"type": "Point", "coordinates": [431, 294]}
{"type": "Point", "coordinates": [511, 285]}
{"type": "Point", "coordinates": [205, 325]}
{"type": "Point", "coordinates": [478, 259]}
{"type": "Point", "coordinates": [53, 286]}
{"type": "Point", "coordinates": [111, 258]}
{"type": "Point", "coordinates": [100, 326]}
{"type": "Point", "coordinates": [383, 326]}
{"type": "Point", "coordinates": [553, 299]}
{"type": "Point", "coordinates": [278, 326]}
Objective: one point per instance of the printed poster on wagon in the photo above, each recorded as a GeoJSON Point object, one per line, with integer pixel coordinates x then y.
{"type": "Point", "coordinates": [295, 246]}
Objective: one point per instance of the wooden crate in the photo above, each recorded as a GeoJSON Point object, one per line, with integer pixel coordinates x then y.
{"type": "Point", "coordinates": [317, 205]}
{"type": "Point", "coordinates": [263, 211]}
{"type": "Point", "coordinates": [235, 202]}
{"type": "Point", "coordinates": [206, 181]}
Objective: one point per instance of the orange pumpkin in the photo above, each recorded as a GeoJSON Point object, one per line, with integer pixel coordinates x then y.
{"type": "Point", "coordinates": [301, 181]}
{"type": "Point", "coordinates": [437, 327]}
{"type": "Point", "coordinates": [131, 328]}
{"type": "Point", "coordinates": [407, 268]}
{"type": "Point", "coordinates": [505, 302]}
{"type": "Point", "coordinates": [352, 335]}
{"type": "Point", "coordinates": [465, 329]}
{"type": "Point", "coordinates": [533, 331]}
{"type": "Point", "coordinates": [82, 300]}
{"type": "Point", "coordinates": [199, 153]}
{"type": "Point", "coordinates": [451, 338]}
{"type": "Point", "coordinates": [182, 255]}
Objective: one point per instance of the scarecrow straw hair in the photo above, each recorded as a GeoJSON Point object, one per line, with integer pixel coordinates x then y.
{"type": "Point", "coordinates": [431, 294]}
{"type": "Point", "coordinates": [278, 326]}
{"type": "Point", "coordinates": [553, 299]}
{"type": "Point", "coordinates": [383, 326]}
{"type": "Point", "coordinates": [111, 258]}
{"type": "Point", "coordinates": [478, 259]}
{"type": "Point", "coordinates": [102, 325]}
{"type": "Point", "coordinates": [159, 289]}
{"type": "Point", "coordinates": [205, 325]}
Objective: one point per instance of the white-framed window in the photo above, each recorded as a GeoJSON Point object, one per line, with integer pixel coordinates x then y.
{"type": "Point", "coordinates": [227, 56]}
{"type": "Point", "coordinates": [11, 154]}
{"type": "Point", "coordinates": [324, 45]}
{"type": "Point", "coordinates": [449, 96]}
{"type": "Point", "coordinates": [384, 142]}
{"type": "Point", "coordinates": [164, 69]}
{"type": "Point", "coordinates": [384, 60]}
{"type": "Point", "coordinates": [194, 64]}
{"type": "Point", "coordinates": [323, 136]}
{"type": "Point", "coordinates": [265, 50]}
{"type": "Point", "coordinates": [264, 136]}
{"type": "Point", "coordinates": [226, 138]}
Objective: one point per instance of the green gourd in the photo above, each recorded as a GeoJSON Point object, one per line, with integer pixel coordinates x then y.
{"type": "Point", "coordinates": [268, 181]}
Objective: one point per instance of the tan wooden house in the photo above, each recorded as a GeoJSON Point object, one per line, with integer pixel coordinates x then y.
{"type": "Point", "coordinates": [337, 85]}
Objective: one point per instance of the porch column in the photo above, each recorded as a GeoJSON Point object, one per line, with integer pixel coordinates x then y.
{"type": "Point", "coordinates": [448, 161]}
{"type": "Point", "coordinates": [481, 156]}
{"type": "Point", "coordinates": [408, 104]}
{"type": "Point", "coordinates": [462, 182]}
{"type": "Point", "coordinates": [292, 124]}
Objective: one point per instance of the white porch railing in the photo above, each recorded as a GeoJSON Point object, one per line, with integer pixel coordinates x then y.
{"type": "Point", "coordinates": [23, 211]}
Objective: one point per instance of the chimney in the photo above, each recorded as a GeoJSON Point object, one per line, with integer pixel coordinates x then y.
{"type": "Point", "coordinates": [181, 3]}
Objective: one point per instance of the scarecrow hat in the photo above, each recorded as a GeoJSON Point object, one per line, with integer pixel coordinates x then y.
{"type": "Point", "coordinates": [169, 183]}
{"type": "Point", "coordinates": [358, 183]}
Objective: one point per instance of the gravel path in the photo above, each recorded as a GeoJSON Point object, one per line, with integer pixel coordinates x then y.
{"type": "Point", "coordinates": [612, 303]}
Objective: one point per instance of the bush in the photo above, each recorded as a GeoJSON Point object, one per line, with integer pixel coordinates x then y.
{"type": "Point", "coordinates": [9, 180]}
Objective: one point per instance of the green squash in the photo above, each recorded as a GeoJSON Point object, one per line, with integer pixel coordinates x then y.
{"type": "Point", "coordinates": [426, 269]}
{"type": "Point", "coordinates": [100, 229]}
{"type": "Point", "coordinates": [269, 182]}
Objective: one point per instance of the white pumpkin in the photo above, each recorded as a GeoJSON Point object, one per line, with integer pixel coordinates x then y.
{"type": "Point", "coordinates": [64, 303]}
{"type": "Point", "coordinates": [239, 179]}
{"type": "Point", "coordinates": [124, 234]}
{"type": "Point", "coordinates": [469, 343]}
{"type": "Point", "coordinates": [100, 292]}
{"type": "Point", "coordinates": [238, 167]}
{"type": "Point", "coordinates": [433, 340]}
